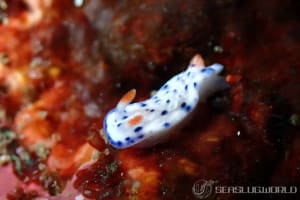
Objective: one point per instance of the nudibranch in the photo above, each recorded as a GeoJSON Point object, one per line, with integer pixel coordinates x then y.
{"type": "Point", "coordinates": [149, 122]}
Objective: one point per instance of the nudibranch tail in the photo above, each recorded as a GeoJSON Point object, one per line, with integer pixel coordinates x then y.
{"type": "Point", "coordinates": [217, 67]}
{"type": "Point", "coordinates": [127, 98]}
{"type": "Point", "coordinates": [197, 61]}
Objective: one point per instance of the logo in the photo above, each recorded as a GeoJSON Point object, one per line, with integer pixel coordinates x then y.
{"type": "Point", "coordinates": [202, 189]}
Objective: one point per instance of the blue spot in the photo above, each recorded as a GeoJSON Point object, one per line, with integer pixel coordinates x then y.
{"type": "Point", "coordinates": [156, 101]}
{"type": "Point", "coordinates": [140, 136]}
{"type": "Point", "coordinates": [168, 101]}
{"type": "Point", "coordinates": [207, 70]}
{"type": "Point", "coordinates": [137, 129]}
{"type": "Point", "coordinates": [189, 73]}
{"type": "Point", "coordinates": [167, 124]}
{"type": "Point", "coordinates": [174, 90]}
{"type": "Point", "coordinates": [119, 143]}
{"type": "Point", "coordinates": [165, 87]}
{"type": "Point", "coordinates": [188, 108]}
{"type": "Point", "coordinates": [186, 87]}
{"type": "Point", "coordinates": [143, 104]}
{"type": "Point", "coordinates": [119, 124]}
{"type": "Point", "coordinates": [152, 110]}
{"type": "Point", "coordinates": [183, 105]}
{"type": "Point", "coordinates": [131, 141]}
{"type": "Point", "coordinates": [124, 117]}
{"type": "Point", "coordinates": [164, 112]}
{"type": "Point", "coordinates": [195, 84]}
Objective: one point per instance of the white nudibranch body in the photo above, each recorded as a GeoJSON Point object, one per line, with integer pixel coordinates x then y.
{"type": "Point", "coordinates": [149, 122]}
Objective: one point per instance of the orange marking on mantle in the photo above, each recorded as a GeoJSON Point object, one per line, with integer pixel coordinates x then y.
{"type": "Point", "coordinates": [137, 119]}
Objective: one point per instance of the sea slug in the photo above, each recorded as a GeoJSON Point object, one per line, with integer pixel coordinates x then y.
{"type": "Point", "coordinates": [150, 121]}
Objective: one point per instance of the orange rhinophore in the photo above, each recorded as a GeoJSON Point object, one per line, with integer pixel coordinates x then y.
{"type": "Point", "coordinates": [197, 61]}
{"type": "Point", "coordinates": [127, 98]}
{"type": "Point", "coordinates": [137, 119]}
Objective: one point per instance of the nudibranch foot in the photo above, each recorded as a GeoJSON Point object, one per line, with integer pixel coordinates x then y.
{"type": "Point", "coordinates": [146, 123]}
